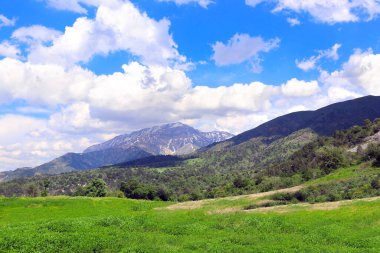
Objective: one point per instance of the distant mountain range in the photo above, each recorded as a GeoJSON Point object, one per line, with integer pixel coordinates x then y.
{"type": "Point", "coordinates": [268, 143]}
{"type": "Point", "coordinates": [168, 139]}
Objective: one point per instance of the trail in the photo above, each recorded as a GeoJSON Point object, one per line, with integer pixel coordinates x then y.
{"type": "Point", "coordinates": [308, 206]}
{"type": "Point", "coordinates": [189, 205]}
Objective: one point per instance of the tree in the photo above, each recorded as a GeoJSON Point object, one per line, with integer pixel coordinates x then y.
{"type": "Point", "coordinates": [45, 185]}
{"type": "Point", "coordinates": [129, 187]}
{"type": "Point", "coordinates": [33, 191]}
{"type": "Point", "coordinates": [97, 188]}
{"type": "Point", "coordinates": [330, 158]}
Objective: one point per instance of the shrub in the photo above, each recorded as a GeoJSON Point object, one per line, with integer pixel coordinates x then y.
{"type": "Point", "coordinates": [115, 194]}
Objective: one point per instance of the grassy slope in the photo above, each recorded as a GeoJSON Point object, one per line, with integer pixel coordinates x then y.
{"type": "Point", "coordinates": [60, 224]}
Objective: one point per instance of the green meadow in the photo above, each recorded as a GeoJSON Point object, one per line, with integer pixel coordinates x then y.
{"type": "Point", "coordinates": [63, 224]}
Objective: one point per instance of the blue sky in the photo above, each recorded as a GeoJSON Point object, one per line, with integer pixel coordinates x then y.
{"type": "Point", "coordinates": [77, 72]}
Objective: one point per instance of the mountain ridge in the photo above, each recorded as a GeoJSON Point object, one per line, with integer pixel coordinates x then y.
{"type": "Point", "coordinates": [323, 121]}
{"type": "Point", "coordinates": [167, 139]}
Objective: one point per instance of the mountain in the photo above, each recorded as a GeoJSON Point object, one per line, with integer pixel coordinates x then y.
{"type": "Point", "coordinates": [324, 121]}
{"type": "Point", "coordinates": [168, 139]}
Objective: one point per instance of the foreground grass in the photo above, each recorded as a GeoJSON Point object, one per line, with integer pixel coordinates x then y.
{"type": "Point", "coordinates": [63, 224]}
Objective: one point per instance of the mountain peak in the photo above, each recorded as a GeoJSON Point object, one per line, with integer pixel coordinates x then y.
{"type": "Point", "coordinates": [166, 139]}
{"type": "Point", "coordinates": [176, 124]}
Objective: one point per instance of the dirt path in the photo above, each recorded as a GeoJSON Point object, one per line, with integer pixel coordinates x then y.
{"type": "Point", "coordinates": [200, 203]}
{"type": "Point", "coordinates": [308, 206]}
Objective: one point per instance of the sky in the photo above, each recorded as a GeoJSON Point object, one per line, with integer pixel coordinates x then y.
{"type": "Point", "coordinates": [78, 72]}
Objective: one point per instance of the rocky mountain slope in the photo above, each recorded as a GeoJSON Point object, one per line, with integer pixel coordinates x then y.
{"type": "Point", "coordinates": [169, 139]}
{"type": "Point", "coordinates": [173, 139]}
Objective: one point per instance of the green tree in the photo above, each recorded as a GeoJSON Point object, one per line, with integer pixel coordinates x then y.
{"type": "Point", "coordinates": [330, 158]}
{"type": "Point", "coordinates": [97, 188]}
{"type": "Point", "coordinates": [33, 190]}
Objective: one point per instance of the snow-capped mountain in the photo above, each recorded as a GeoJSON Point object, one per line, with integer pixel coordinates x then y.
{"type": "Point", "coordinates": [168, 139]}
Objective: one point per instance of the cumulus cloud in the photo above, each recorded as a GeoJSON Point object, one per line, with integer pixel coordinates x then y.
{"type": "Point", "coordinates": [35, 34]}
{"type": "Point", "coordinates": [79, 6]}
{"type": "Point", "coordinates": [9, 50]}
{"type": "Point", "coordinates": [293, 21]}
{"type": "Point", "coordinates": [27, 141]}
{"type": "Point", "coordinates": [299, 88]}
{"type": "Point", "coordinates": [117, 26]}
{"type": "Point", "coordinates": [202, 3]}
{"type": "Point", "coordinates": [331, 12]}
{"type": "Point", "coordinates": [310, 63]}
{"type": "Point", "coordinates": [360, 73]}
{"type": "Point", "coordinates": [242, 48]}
{"type": "Point", "coordinates": [4, 21]}
{"type": "Point", "coordinates": [42, 84]}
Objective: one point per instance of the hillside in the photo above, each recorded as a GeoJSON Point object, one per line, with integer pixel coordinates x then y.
{"type": "Point", "coordinates": [324, 121]}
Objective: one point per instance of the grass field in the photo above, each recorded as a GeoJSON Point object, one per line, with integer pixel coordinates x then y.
{"type": "Point", "coordinates": [61, 224]}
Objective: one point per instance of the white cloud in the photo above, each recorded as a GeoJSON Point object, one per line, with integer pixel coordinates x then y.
{"type": "Point", "coordinates": [35, 34]}
{"type": "Point", "coordinates": [310, 63]}
{"type": "Point", "coordinates": [9, 50]}
{"type": "Point", "coordinates": [202, 3]}
{"type": "Point", "coordinates": [4, 21]}
{"type": "Point", "coordinates": [69, 5]}
{"type": "Point", "coordinates": [80, 6]}
{"type": "Point", "coordinates": [42, 84]}
{"type": "Point", "coordinates": [360, 73]}
{"type": "Point", "coordinates": [299, 88]}
{"type": "Point", "coordinates": [242, 48]}
{"type": "Point", "coordinates": [293, 21]}
{"type": "Point", "coordinates": [240, 98]}
{"type": "Point", "coordinates": [119, 26]}
{"type": "Point", "coordinates": [15, 128]}
{"type": "Point", "coordinates": [327, 11]}
{"type": "Point", "coordinates": [253, 3]}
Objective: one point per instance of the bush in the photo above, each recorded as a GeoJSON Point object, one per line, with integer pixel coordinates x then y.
{"type": "Point", "coordinates": [373, 153]}
{"type": "Point", "coordinates": [283, 196]}
{"type": "Point", "coordinates": [240, 182]}
{"type": "Point", "coordinates": [115, 194]}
